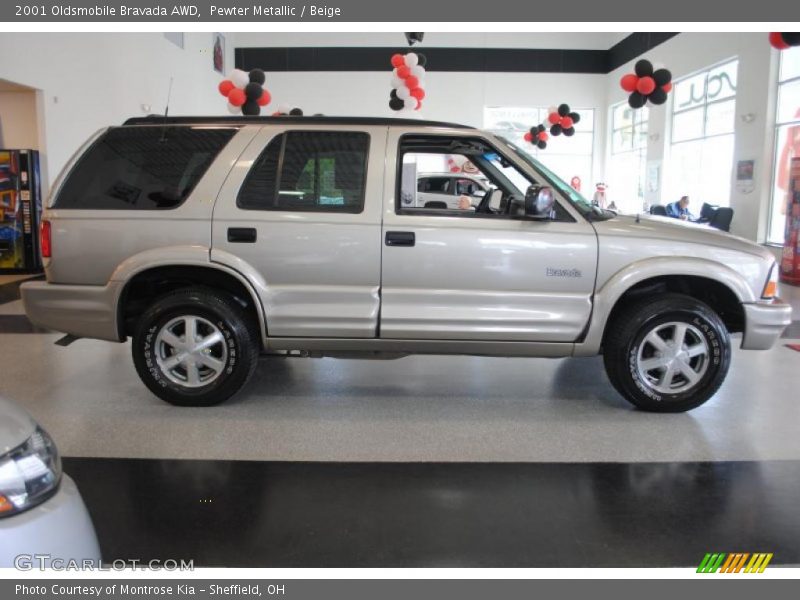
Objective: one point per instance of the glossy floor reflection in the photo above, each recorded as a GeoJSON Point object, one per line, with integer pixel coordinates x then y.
{"type": "Point", "coordinates": [223, 513]}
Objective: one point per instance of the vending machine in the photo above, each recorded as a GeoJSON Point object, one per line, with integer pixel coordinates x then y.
{"type": "Point", "coordinates": [20, 210]}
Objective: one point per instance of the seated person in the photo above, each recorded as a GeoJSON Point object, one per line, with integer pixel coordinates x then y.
{"type": "Point", "coordinates": [680, 209]}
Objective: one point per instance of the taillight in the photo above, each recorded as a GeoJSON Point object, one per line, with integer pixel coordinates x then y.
{"type": "Point", "coordinates": [44, 240]}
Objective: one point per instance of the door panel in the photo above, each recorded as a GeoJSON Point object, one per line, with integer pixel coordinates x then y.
{"type": "Point", "coordinates": [322, 269]}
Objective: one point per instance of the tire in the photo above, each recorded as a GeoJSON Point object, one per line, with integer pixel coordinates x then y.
{"type": "Point", "coordinates": [194, 375]}
{"type": "Point", "coordinates": [648, 368]}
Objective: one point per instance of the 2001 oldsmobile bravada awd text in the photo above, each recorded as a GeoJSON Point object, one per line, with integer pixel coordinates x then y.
{"type": "Point", "coordinates": [211, 240]}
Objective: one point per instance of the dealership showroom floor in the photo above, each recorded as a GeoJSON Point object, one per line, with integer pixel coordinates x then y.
{"type": "Point", "coordinates": [424, 460]}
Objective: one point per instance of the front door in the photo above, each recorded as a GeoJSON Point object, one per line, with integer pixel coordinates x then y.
{"type": "Point", "coordinates": [481, 273]}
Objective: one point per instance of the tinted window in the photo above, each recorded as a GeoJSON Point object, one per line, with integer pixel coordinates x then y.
{"type": "Point", "coordinates": [142, 168]}
{"type": "Point", "coordinates": [439, 185]}
{"type": "Point", "coordinates": [309, 170]}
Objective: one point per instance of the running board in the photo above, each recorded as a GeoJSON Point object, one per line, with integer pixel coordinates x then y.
{"type": "Point", "coordinates": [66, 340]}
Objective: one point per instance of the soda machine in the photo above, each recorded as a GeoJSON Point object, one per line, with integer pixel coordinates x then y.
{"type": "Point", "coordinates": [20, 210]}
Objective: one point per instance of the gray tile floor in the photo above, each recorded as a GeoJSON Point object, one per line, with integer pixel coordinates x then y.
{"type": "Point", "coordinates": [414, 409]}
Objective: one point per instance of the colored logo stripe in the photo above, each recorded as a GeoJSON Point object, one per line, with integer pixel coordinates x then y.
{"type": "Point", "coordinates": [734, 562]}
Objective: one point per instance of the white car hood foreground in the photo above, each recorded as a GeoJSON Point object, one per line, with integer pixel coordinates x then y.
{"type": "Point", "coordinates": [16, 426]}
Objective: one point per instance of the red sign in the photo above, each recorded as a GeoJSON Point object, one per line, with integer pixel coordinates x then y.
{"type": "Point", "coordinates": [790, 262]}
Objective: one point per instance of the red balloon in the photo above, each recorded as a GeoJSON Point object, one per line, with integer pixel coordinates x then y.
{"type": "Point", "coordinates": [543, 137]}
{"type": "Point", "coordinates": [398, 60]}
{"type": "Point", "coordinates": [646, 86]}
{"type": "Point", "coordinates": [554, 118]}
{"type": "Point", "coordinates": [236, 97]}
{"type": "Point", "coordinates": [418, 93]}
{"type": "Point", "coordinates": [454, 169]}
{"type": "Point", "coordinates": [628, 82]}
{"type": "Point", "coordinates": [667, 87]}
{"type": "Point", "coordinates": [777, 41]}
{"type": "Point", "coordinates": [264, 99]}
{"type": "Point", "coordinates": [225, 87]}
{"type": "Point", "coordinates": [403, 72]}
{"type": "Point", "coordinates": [528, 137]}
{"type": "Point", "coordinates": [566, 122]}
{"type": "Point", "coordinates": [412, 82]}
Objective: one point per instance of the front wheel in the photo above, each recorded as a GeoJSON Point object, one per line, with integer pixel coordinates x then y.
{"type": "Point", "coordinates": [195, 347]}
{"type": "Point", "coordinates": [669, 354]}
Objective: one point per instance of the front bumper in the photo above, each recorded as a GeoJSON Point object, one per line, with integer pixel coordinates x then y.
{"type": "Point", "coordinates": [764, 323]}
{"type": "Point", "coordinates": [81, 310]}
{"type": "Point", "coordinates": [59, 527]}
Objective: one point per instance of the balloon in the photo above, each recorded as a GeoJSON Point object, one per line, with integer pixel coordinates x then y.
{"type": "Point", "coordinates": [237, 97]}
{"type": "Point", "coordinates": [411, 59]}
{"type": "Point", "coordinates": [393, 94]}
{"type": "Point", "coordinates": [418, 72]}
{"type": "Point", "coordinates": [403, 72]}
{"type": "Point", "coordinates": [253, 91]}
{"type": "Point", "coordinates": [566, 123]}
{"type": "Point", "coordinates": [636, 100]}
{"type": "Point", "coordinates": [422, 60]}
{"type": "Point", "coordinates": [251, 108]}
{"type": "Point", "coordinates": [234, 110]}
{"type": "Point", "coordinates": [576, 118]}
{"type": "Point", "coordinates": [628, 82]}
{"type": "Point", "coordinates": [257, 76]}
{"type": "Point", "coordinates": [542, 144]}
{"type": "Point", "coordinates": [661, 77]}
{"type": "Point", "coordinates": [645, 86]}
{"type": "Point", "coordinates": [528, 137]}
{"type": "Point", "coordinates": [563, 109]}
{"type": "Point", "coordinates": [418, 93]}
{"type": "Point", "coordinates": [239, 78]}
{"type": "Point", "coordinates": [793, 38]}
{"type": "Point", "coordinates": [398, 60]}
{"type": "Point", "coordinates": [412, 82]}
{"type": "Point", "coordinates": [225, 86]}
{"type": "Point", "coordinates": [569, 132]}
{"type": "Point", "coordinates": [667, 87]}
{"type": "Point", "coordinates": [284, 109]}
{"type": "Point", "coordinates": [643, 68]}
{"type": "Point", "coordinates": [296, 112]}
{"type": "Point", "coordinates": [396, 104]}
{"type": "Point", "coordinates": [553, 117]}
{"type": "Point", "coordinates": [777, 41]}
{"type": "Point", "coordinates": [397, 82]}
{"type": "Point", "coordinates": [403, 93]}
{"type": "Point", "coordinates": [543, 137]}
{"type": "Point", "coordinates": [659, 96]}
{"type": "Point", "coordinates": [552, 109]}
{"type": "Point", "coordinates": [555, 130]}
{"type": "Point", "coordinates": [264, 99]}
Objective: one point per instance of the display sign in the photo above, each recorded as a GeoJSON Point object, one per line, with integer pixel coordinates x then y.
{"type": "Point", "coordinates": [790, 262]}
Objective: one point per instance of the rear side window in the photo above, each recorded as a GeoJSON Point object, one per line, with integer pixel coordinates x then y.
{"type": "Point", "coordinates": [142, 168]}
{"type": "Point", "coordinates": [322, 171]}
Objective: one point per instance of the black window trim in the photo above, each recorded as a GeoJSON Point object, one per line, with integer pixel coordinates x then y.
{"type": "Point", "coordinates": [284, 134]}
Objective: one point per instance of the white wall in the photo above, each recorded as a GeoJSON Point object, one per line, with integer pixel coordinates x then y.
{"type": "Point", "coordinates": [92, 80]}
{"type": "Point", "coordinates": [18, 121]}
{"type": "Point", "coordinates": [691, 52]}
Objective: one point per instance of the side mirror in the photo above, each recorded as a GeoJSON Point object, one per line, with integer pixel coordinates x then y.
{"type": "Point", "coordinates": [539, 201]}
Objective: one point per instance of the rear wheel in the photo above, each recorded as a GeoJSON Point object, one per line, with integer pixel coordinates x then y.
{"type": "Point", "coordinates": [668, 354]}
{"type": "Point", "coordinates": [195, 347]}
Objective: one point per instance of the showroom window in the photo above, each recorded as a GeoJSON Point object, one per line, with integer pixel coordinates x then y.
{"type": "Point", "coordinates": [701, 154]}
{"type": "Point", "coordinates": [787, 138]}
{"type": "Point", "coordinates": [628, 164]}
{"type": "Point", "coordinates": [309, 171]}
{"type": "Point", "coordinates": [567, 157]}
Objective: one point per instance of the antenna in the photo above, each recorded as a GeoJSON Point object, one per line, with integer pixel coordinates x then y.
{"type": "Point", "coordinates": [166, 112]}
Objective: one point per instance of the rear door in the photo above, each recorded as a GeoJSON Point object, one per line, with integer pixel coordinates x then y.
{"type": "Point", "coordinates": [303, 208]}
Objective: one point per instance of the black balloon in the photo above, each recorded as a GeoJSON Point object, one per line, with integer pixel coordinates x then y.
{"type": "Point", "coordinates": [576, 118]}
{"type": "Point", "coordinates": [396, 104]}
{"type": "Point", "coordinates": [569, 132]}
{"type": "Point", "coordinates": [393, 93]}
{"type": "Point", "coordinates": [257, 76]}
{"type": "Point", "coordinates": [658, 96]}
{"type": "Point", "coordinates": [662, 77]}
{"type": "Point", "coordinates": [297, 112]}
{"type": "Point", "coordinates": [253, 91]}
{"type": "Point", "coordinates": [636, 100]}
{"type": "Point", "coordinates": [556, 129]}
{"type": "Point", "coordinates": [422, 60]}
{"type": "Point", "coordinates": [563, 110]}
{"type": "Point", "coordinates": [542, 144]}
{"type": "Point", "coordinates": [643, 68]}
{"type": "Point", "coordinates": [251, 108]}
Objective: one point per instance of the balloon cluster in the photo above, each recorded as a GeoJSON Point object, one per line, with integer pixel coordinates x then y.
{"type": "Point", "coordinates": [453, 165]}
{"type": "Point", "coordinates": [562, 120]}
{"type": "Point", "coordinates": [646, 85]}
{"type": "Point", "coordinates": [286, 110]}
{"type": "Point", "coordinates": [782, 41]}
{"type": "Point", "coordinates": [537, 136]}
{"type": "Point", "coordinates": [245, 92]}
{"type": "Point", "coordinates": [408, 78]}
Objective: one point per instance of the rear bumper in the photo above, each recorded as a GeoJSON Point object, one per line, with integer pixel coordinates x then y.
{"type": "Point", "coordinates": [81, 310]}
{"type": "Point", "coordinates": [764, 324]}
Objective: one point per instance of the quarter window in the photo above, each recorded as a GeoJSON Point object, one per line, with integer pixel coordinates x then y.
{"type": "Point", "coordinates": [309, 171]}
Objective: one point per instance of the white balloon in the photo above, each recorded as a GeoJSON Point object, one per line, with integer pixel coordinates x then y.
{"type": "Point", "coordinates": [411, 59]}
{"type": "Point", "coordinates": [284, 108]}
{"type": "Point", "coordinates": [552, 109]}
{"type": "Point", "coordinates": [418, 71]}
{"type": "Point", "coordinates": [239, 78]}
{"type": "Point", "coordinates": [397, 82]}
{"type": "Point", "coordinates": [234, 110]}
{"type": "Point", "coordinates": [403, 93]}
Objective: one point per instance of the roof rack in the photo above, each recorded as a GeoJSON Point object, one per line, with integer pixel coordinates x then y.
{"type": "Point", "coordinates": [296, 120]}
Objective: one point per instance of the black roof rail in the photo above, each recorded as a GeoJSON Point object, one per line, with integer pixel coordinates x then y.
{"type": "Point", "coordinates": [291, 119]}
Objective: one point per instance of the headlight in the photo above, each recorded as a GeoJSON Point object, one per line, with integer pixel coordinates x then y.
{"type": "Point", "coordinates": [771, 287]}
{"type": "Point", "coordinates": [29, 474]}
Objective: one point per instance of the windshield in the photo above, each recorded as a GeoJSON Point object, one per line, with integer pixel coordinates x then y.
{"type": "Point", "coordinates": [586, 208]}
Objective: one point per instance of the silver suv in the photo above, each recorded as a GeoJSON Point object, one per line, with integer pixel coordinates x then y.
{"type": "Point", "coordinates": [211, 240]}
